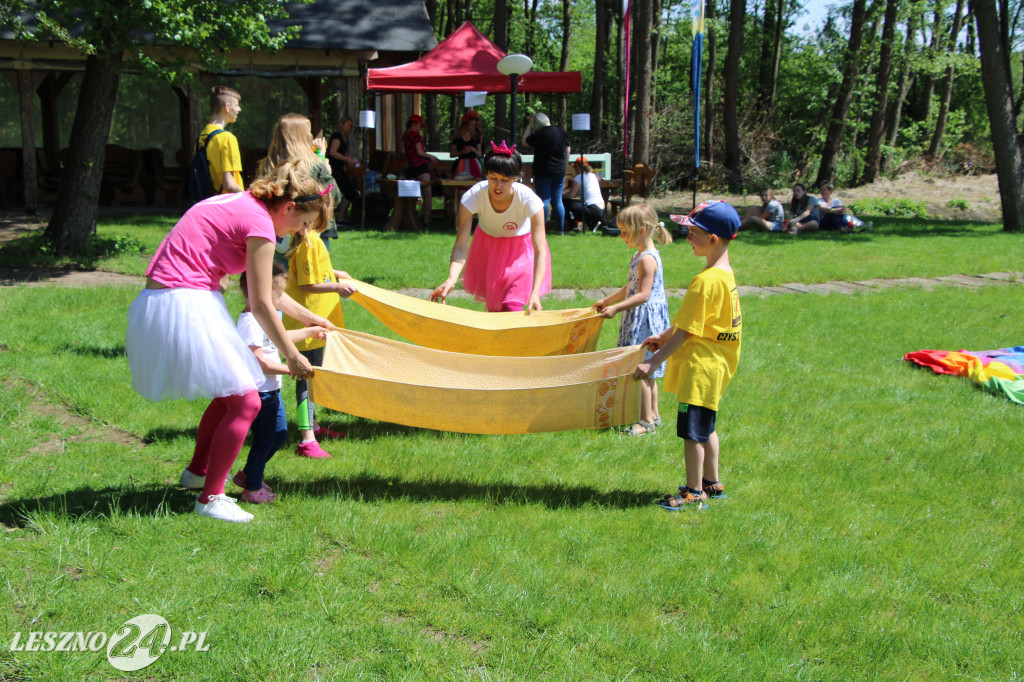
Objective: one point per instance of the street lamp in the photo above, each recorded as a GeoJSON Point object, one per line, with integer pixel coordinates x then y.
{"type": "Point", "coordinates": [514, 66]}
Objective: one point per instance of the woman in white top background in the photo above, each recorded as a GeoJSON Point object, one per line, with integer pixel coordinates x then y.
{"type": "Point", "coordinates": [584, 202]}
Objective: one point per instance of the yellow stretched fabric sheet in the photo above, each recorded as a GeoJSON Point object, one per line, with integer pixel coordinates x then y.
{"type": "Point", "coordinates": [396, 382]}
{"type": "Point", "coordinates": [444, 327]}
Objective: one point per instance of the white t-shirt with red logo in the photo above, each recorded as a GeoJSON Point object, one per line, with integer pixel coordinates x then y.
{"type": "Point", "coordinates": [513, 221]}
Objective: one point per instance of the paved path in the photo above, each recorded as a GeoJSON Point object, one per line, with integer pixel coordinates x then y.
{"type": "Point", "coordinates": [835, 287]}
{"type": "Point", "coordinates": [77, 278]}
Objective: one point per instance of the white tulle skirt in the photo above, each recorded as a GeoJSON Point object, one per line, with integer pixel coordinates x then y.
{"type": "Point", "coordinates": [182, 343]}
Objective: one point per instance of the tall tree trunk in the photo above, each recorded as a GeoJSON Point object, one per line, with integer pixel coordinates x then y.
{"type": "Point", "coordinates": [811, 133]}
{"type": "Point", "coordinates": [1006, 142]}
{"type": "Point", "coordinates": [905, 82]}
{"type": "Point", "coordinates": [737, 14]}
{"type": "Point", "coordinates": [780, 30]}
{"type": "Point", "coordinates": [656, 39]}
{"type": "Point", "coordinates": [709, 85]}
{"type": "Point", "coordinates": [971, 48]}
{"type": "Point", "coordinates": [642, 108]}
{"type": "Point", "coordinates": [935, 148]}
{"type": "Point", "coordinates": [74, 215]}
{"type": "Point", "coordinates": [563, 63]}
{"type": "Point", "coordinates": [851, 69]}
{"type": "Point", "coordinates": [876, 129]}
{"type": "Point", "coordinates": [929, 79]}
{"type": "Point", "coordinates": [530, 12]}
{"type": "Point", "coordinates": [597, 94]}
{"type": "Point", "coordinates": [620, 82]}
{"type": "Point", "coordinates": [764, 65]}
{"type": "Point", "coordinates": [501, 128]}
{"type": "Point", "coordinates": [449, 19]}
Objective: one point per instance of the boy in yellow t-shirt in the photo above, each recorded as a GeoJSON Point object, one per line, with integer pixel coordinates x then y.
{"type": "Point", "coordinates": [703, 348]}
{"type": "Point", "coordinates": [223, 154]}
{"type": "Point", "coordinates": [313, 283]}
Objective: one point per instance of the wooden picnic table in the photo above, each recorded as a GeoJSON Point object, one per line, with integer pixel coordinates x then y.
{"type": "Point", "coordinates": [454, 188]}
{"type": "Point", "coordinates": [405, 216]}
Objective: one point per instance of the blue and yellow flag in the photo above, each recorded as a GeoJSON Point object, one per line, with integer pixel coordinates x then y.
{"type": "Point", "coordinates": [696, 68]}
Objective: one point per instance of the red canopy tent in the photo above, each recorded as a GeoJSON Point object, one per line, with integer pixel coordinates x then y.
{"type": "Point", "coordinates": [466, 61]}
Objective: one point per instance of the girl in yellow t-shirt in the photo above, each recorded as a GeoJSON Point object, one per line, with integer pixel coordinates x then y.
{"type": "Point", "coordinates": [313, 283]}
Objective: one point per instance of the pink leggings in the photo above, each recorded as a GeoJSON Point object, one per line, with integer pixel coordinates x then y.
{"type": "Point", "coordinates": [222, 431]}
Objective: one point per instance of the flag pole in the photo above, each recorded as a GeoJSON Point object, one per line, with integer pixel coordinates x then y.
{"type": "Point", "coordinates": [696, 68]}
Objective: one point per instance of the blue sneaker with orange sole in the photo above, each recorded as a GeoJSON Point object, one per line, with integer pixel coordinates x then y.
{"type": "Point", "coordinates": [684, 500]}
{"type": "Point", "coordinates": [713, 489]}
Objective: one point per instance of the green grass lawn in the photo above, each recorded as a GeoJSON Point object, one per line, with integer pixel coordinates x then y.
{"type": "Point", "coordinates": [872, 528]}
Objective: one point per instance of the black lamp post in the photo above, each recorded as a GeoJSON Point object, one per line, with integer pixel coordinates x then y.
{"type": "Point", "coordinates": [514, 66]}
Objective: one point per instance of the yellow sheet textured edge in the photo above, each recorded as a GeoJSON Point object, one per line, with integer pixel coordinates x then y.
{"type": "Point", "coordinates": [375, 378]}
{"type": "Point", "coordinates": [445, 327]}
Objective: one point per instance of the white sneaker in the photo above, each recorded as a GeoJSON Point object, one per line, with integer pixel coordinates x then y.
{"type": "Point", "coordinates": [190, 480]}
{"type": "Point", "coordinates": [223, 508]}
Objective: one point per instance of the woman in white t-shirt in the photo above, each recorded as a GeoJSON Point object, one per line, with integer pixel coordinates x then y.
{"type": "Point", "coordinates": [583, 199]}
{"type": "Point", "coordinates": [508, 264]}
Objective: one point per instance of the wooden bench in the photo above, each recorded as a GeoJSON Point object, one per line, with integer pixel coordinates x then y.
{"type": "Point", "coordinates": [122, 176]}
{"type": "Point", "coordinates": [161, 184]}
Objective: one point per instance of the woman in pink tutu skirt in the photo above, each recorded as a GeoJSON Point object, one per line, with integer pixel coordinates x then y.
{"type": "Point", "coordinates": [508, 265]}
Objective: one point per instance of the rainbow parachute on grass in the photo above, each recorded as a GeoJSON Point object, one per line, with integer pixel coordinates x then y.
{"type": "Point", "coordinates": [999, 371]}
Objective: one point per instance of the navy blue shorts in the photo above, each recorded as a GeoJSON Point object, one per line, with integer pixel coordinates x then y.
{"type": "Point", "coordinates": [695, 422]}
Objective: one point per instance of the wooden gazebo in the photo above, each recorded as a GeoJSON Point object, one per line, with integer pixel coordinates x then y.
{"type": "Point", "coordinates": [338, 38]}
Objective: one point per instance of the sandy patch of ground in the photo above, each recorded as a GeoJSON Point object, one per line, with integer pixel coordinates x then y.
{"type": "Point", "coordinates": [981, 193]}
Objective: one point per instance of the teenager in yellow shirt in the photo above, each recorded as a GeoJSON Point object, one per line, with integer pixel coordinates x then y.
{"type": "Point", "coordinates": [223, 154]}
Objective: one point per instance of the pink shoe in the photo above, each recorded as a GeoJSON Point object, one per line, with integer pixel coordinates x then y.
{"type": "Point", "coordinates": [321, 433]}
{"type": "Point", "coordinates": [312, 449]}
{"type": "Point", "coordinates": [239, 480]}
{"type": "Point", "coordinates": [261, 496]}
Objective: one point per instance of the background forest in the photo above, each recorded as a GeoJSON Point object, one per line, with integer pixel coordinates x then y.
{"type": "Point", "coordinates": [875, 87]}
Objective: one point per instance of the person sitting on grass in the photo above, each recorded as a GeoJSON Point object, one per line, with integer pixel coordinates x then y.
{"type": "Point", "coordinates": [703, 349]}
{"type": "Point", "coordinates": [802, 211]}
{"type": "Point", "coordinates": [769, 216]}
{"type": "Point", "coordinates": [270, 428]}
{"type": "Point", "coordinates": [833, 213]}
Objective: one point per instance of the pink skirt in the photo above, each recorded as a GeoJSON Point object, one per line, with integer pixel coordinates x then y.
{"type": "Point", "coordinates": [499, 271]}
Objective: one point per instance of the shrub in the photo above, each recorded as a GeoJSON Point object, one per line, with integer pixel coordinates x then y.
{"type": "Point", "coordinates": [899, 208]}
{"type": "Point", "coordinates": [958, 203]}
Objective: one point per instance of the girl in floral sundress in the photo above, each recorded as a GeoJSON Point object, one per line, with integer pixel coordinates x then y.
{"type": "Point", "coordinates": [642, 301]}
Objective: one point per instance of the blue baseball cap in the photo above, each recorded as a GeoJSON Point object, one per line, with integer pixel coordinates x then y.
{"type": "Point", "coordinates": [714, 217]}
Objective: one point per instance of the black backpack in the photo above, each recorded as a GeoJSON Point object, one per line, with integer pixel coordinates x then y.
{"type": "Point", "coordinates": [200, 185]}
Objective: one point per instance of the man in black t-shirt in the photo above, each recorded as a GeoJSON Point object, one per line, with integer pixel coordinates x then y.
{"type": "Point", "coordinates": [550, 146]}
